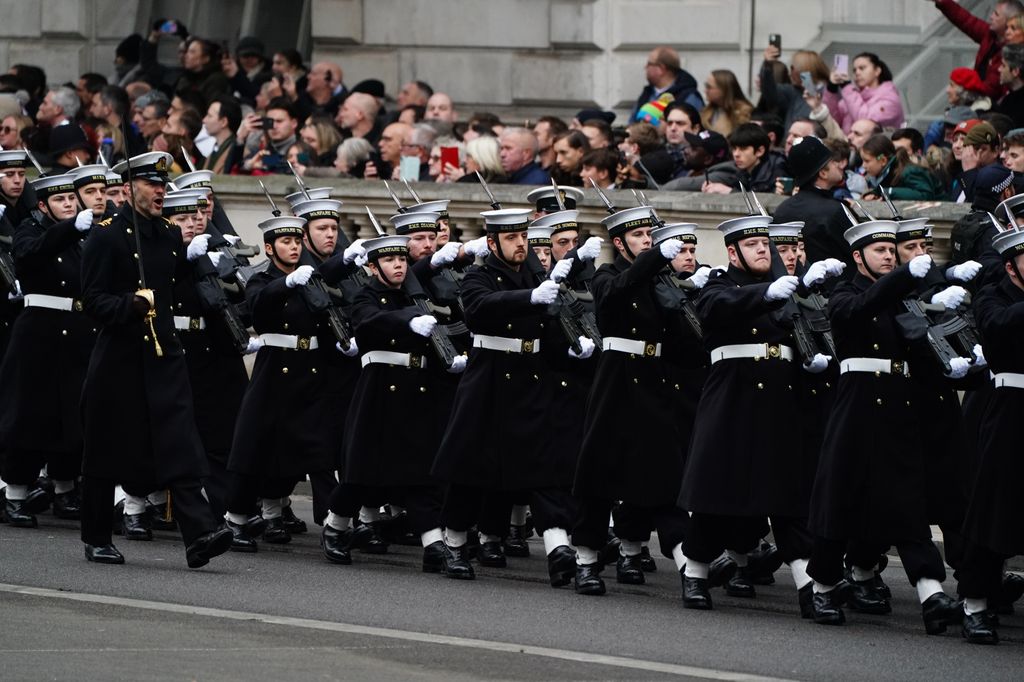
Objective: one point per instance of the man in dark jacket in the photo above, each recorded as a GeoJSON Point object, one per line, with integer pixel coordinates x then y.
{"type": "Point", "coordinates": [988, 35]}
{"type": "Point", "coordinates": [665, 75]}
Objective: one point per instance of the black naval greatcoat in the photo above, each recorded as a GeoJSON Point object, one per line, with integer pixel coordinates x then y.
{"type": "Point", "coordinates": [870, 483]}
{"type": "Point", "coordinates": [738, 464]}
{"type": "Point", "coordinates": [686, 364]}
{"type": "Point", "coordinates": [139, 424]}
{"type": "Point", "coordinates": [632, 449]}
{"type": "Point", "coordinates": [398, 414]}
{"type": "Point", "coordinates": [993, 514]}
{"type": "Point", "coordinates": [216, 370]}
{"type": "Point", "coordinates": [288, 424]}
{"type": "Point", "coordinates": [494, 437]}
{"type": "Point", "coordinates": [44, 369]}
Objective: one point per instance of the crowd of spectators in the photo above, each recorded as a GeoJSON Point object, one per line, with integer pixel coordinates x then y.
{"type": "Point", "coordinates": [250, 112]}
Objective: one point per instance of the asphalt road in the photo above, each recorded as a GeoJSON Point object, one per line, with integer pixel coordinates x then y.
{"type": "Point", "coordinates": [285, 613]}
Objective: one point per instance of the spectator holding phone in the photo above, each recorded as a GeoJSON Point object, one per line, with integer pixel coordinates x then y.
{"type": "Point", "coordinates": [787, 99]}
{"type": "Point", "coordinates": [277, 134]}
{"type": "Point", "coordinates": [871, 94]}
{"type": "Point", "coordinates": [248, 69]}
{"type": "Point", "coordinates": [988, 34]}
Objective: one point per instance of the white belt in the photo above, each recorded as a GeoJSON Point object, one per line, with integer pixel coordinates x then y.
{"type": "Point", "coordinates": [290, 341]}
{"type": "Point", "coordinates": [875, 365]}
{"type": "Point", "coordinates": [502, 343]}
{"type": "Point", "coordinates": [189, 324]}
{"type": "Point", "coordinates": [1008, 380]}
{"type": "Point", "coordinates": [752, 351]}
{"type": "Point", "coordinates": [52, 302]}
{"type": "Point", "coordinates": [633, 346]}
{"type": "Point", "coordinates": [386, 357]}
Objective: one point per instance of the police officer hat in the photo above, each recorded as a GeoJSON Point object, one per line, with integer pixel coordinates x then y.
{"type": "Point", "coordinates": [544, 198]}
{"type": "Point", "coordinates": [151, 166]}
{"type": "Point", "coordinates": [807, 156]}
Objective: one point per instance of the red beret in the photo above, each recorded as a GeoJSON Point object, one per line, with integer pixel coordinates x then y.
{"type": "Point", "coordinates": [968, 79]}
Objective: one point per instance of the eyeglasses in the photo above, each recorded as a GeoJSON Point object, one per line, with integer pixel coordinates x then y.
{"type": "Point", "coordinates": [7, 129]}
{"type": "Point", "coordinates": [434, 158]}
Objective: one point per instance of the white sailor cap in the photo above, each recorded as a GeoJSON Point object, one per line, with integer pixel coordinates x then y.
{"type": "Point", "coordinates": [199, 178]}
{"type": "Point", "coordinates": [737, 229]}
{"type": "Point", "coordinates": [538, 235]}
{"type": "Point", "coordinates": [387, 245]}
{"type": "Point", "coordinates": [786, 233]}
{"type": "Point", "coordinates": [313, 193]}
{"type": "Point", "coordinates": [282, 226]}
{"type": "Point", "coordinates": [181, 203]}
{"type": "Point", "coordinates": [911, 229]}
{"type": "Point", "coordinates": [559, 221]}
{"type": "Point", "coordinates": [89, 175]}
{"type": "Point", "coordinates": [415, 221]}
{"type": "Point", "coordinates": [113, 179]}
{"type": "Point", "coordinates": [870, 232]}
{"type": "Point", "coordinates": [684, 232]}
{"type": "Point", "coordinates": [1014, 204]}
{"type": "Point", "coordinates": [629, 219]}
{"type": "Point", "coordinates": [13, 158]}
{"type": "Point", "coordinates": [507, 220]}
{"type": "Point", "coordinates": [544, 197]}
{"type": "Point", "coordinates": [313, 209]}
{"type": "Point", "coordinates": [439, 206]}
{"type": "Point", "coordinates": [1009, 244]}
{"type": "Point", "coordinates": [51, 185]}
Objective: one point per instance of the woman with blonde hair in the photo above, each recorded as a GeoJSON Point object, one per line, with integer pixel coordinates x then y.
{"type": "Point", "coordinates": [323, 137]}
{"type": "Point", "coordinates": [727, 108]}
{"type": "Point", "coordinates": [12, 129]}
{"type": "Point", "coordinates": [786, 99]}
{"type": "Point", "coordinates": [482, 154]}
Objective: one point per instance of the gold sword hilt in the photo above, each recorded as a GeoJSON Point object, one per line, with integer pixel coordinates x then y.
{"type": "Point", "coordinates": [150, 297]}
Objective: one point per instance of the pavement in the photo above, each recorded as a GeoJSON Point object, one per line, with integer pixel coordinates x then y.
{"type": "Point", "coordinates": [285, 613]}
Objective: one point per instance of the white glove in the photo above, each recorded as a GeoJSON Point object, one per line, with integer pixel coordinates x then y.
{"type": "Point", "coordinates": [587, 347]}
{"type": "Point", "coordinates": [958, 368]}
{"type": "Point", "coordinates": [964, 272]}
{"type": "Point", "coordinates": [215, 257]}
{"type": "Point", "coordinates": [300, 277]}
{"type": "Point", "coordinates": [362, 260]}
{"type": "Point", "coordinates": [720, 268]}
{"type": "Point", "coordinates": [196, 248]}
{"type": "Point", "coordinates": [835, 266]}
{"type": "Point", "coordinates": [950, 297]}
{"type": "Point", "coordinates": [83, 222]}
{"type": "Point", "coordinates": [816, 274]}
{"type": "Point", "coordinates": [591, 249]}
{"type": "Point", "coordinates": [477, 247]}
{"type": "Point", "coordinates": [353, 348]}
{"type": "Point", "coordinates": [781, 289]}
{"type": "Point", "coordinates": [818, 364]}
{"type": "Point", "coordinates": [448, 253]}
{"type": "Point", "coordinates": [458, 365]}
{"type": "Point", "coordinates": [561, 270]}
{"type": "Point", "coordinates": [232, 239]}
{"type": "Point", "coordinates": [354, 250]}
{"type": "Point", "coordinates": [700, 278]}
{"type": "Point", "coordinates": [423, 324]}
{"type": "Point", "coordinates": [920, 265]}
{"type": "Point", "coordinates": [979, 356]}
{"type": "Point", "coordinates": [670, 248]}
{"type": "Point", "coordinates": [3, 209]}
{"type": "Point", "coordinates": [545, 293]}
{"type": "Point", "coordinates": [254, 346]}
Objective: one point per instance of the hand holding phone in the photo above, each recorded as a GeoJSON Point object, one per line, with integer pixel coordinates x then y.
{"type": "Point", "coordinates": [775, 40]}
{"type": "Point", "coordinates": [449, 156]}
{"type": "Point", "coordinates": [808, 82]}
{"type": "Point", "coordinates": [841, 65]}
{"type": "Point", "coordinates": [169, 27]}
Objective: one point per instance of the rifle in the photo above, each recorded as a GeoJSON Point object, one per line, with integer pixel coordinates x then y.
{"type": "Point", "coordinates": [440, 342]}
{"type": "Point", "coordinates": [317, 296]}
{"type": "Point", "coordinates": [8, 274]}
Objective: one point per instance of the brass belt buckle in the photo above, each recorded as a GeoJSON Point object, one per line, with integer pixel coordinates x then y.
{"type": "Point", "coordinates": [650, 349]}
{"type": "Point", "coordinates": [774, 351]}
{"type": "Point", "coordinates": [898, 367]}
{"type": "Point", "coordinates": [528, 346]}
{"type": "Point", "coordinates": [193, 324]}
{"type": "Point", "coordinates": [415, 361]}
{"type": "Point", "coordinates": [302, 343]}
{"type": "Point", "coordinates": [76, 305]}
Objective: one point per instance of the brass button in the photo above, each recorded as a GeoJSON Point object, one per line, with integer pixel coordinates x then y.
{"type": "Point", "coordinates": [284, 370]}
{"type": "Point", "coordinates": [145, 338]}
{"type": "Point", "coordinates": [878, 401]}
{"type": "Point", "coordinates": [423, 389]}
{"type": "Point", "coordinates": [392, 342]}
{"type": "Point", "coordinates": [635, 380]}
{"type": "Point", "coordinates": [509, 326]}
{"type": "Point", "coordinates": [878, 374]}
{"type": "Point", "coordinates": [59, 259]}
{"type": "Point", "coordinates": [63, 283]}
{"type": "Point", "coordinates": [285, 325]}
{"type": "Point", "coordinates": [790, 387]}
{"type": "Point", "coordinates": [313, 370]}
{"type": "Point", "coordinates": [536, 378]}
{"type": "Point", "coordinates": [383, 300]}
{"type": "Point", "coordinates": [508, 376]}
{"type": "Point", "coordinates": [64, 332]}
{"type": "Point", "coordinates": [754, 331]}
{"type": "Point", "coordinates": [499, 278]}
{"type": "Point", "coordinates": [635, 305]}
{"type": "Point", "coordinates": [136, 256]}
{"type": "Point", "coordinates": [632, 330]}
{"type": "Point", "coordinates": [677, 386]}
{"type": "Point", "coordinates": [392, 388]}
{"type": "Point", "coordinates": [632, 356]}
{"type": "Point", "coordinates": [760, 385]}
{"type": "Point", "coordinates": [828, 385]}
{"type": "Point", "coordinates": [814, 392]}
{"type": "Point", "coordinates": [564, 383]}
{"type": "Point", "coordinates": [908, 403]}
{"type": "Point", "coordinates": [874, 346]}
{"type": "Point", "coordinates": [942, 398]}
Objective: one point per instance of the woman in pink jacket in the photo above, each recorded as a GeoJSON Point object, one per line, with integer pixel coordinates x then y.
{"type": "Point", "coordinates": [871, 95]}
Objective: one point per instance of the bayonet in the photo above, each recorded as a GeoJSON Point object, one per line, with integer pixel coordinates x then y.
{"type": "Point", "coordinates": [298, 180]}
{"type": "Point", "coordinates": [188, 159]}
{"type": "Point", "coordinates": [558, 195]}
{"type": "Point", "coordinates": [35, 163]}
{"type": "Point", "coordinates": [608, 205]}
{"type": "Point", "coordinates": [273, 207]}
{"type": "Point", "coordinates": [376, 225]}
{"type": "Point", "coordinates": [394, 198]}
{"type": "Point", "coordinates": [412, 192]}
{"type": "Point", "coordinates": [483, 183]}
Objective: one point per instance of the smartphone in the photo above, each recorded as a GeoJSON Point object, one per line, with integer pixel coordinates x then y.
{"type": "Point", "coordinates": [409, 168]}
{"type": "Point", "coordinates": [266, 123]}
{"type": "Point", "coordinates": [775, 39]}
{"type": "Point", "coordinates": [841, 63]}
{"type": "Point", "coordinates": [787, 185]}
{"type": "Point", "coordinates": [807, 81]}
{"type": "Point", "coordinates": [449, 155]}
{"type": "Point", "coordinates": [170, 26]}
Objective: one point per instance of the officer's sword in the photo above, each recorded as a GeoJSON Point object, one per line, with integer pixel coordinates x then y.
{"type": "Point", "coordinates": [608, 205]}
{"type": "Point", "coordinates": [495, 204]}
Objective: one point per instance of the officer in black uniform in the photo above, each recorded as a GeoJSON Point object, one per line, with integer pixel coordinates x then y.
{"type": "Point", "coordinates": [139, 425]}
{"type": "Point", "coordinates": [17, 201]}
{"type": "Point", "coordinates": [43, 372]}
{"type": "Point", "coordinates": [869, 488]}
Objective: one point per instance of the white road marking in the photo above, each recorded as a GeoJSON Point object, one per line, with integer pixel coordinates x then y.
{"type": "Point", "coordinates": [404, 635]}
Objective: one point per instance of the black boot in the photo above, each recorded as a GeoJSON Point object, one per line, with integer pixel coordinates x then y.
{"type": "Point", "coordinates": [136, 527]}
{"type": "Point", "coordinates": [337, 544]}
{"type": "Point", "coordinates": [456, 563]}
{"type": "Point", "coordinates": [106, 554]}
{"type": "Point", "coordinates": [864, 598]}
{"type": "Point", "coordinates": [588, 579]}
{"type": "Point", "coordinates": [696, 592]}
{"type": "Point", "coordinates": [293, 523]}
{"type": "Point", "coordinates": [647, 561]}
{"type": "Point", "coordinates": [609, 554]}
{"type": "Point", "coordinates": [208, 546]}
{"type": "Point", "coordinates": [515, 544]}
{"type": "Point", "coordinates": [978, 629]}
{"type": "Point", "coordinates": [67, 505]}
{"type": "Point", "coordinates": [276, 533]}
{"type": "Point", "coordinates": [628, 571]}
{"type": "Point", "coordinates": [254, 526]}
{"type": "Point", "coordinates": [241, 541]}
{"type": "Point", "coordinates": [762, 564]}
{"type": "Point", "coordinates": [806, 599]}
{"type": "Point", "coordinates": [433, 557]}
{"type": "Point", "coordinates": [490, 554]}
{"type": "Point", "coordinates": [827, 606]}
{"type": "Point", "coordinates": [367, 540]}
{"type": "Point", "coordinates": [740, 585]}
{"type": "Point", "coordinates": [38, 499]}
{"type": "Point", "coordinates": [940, 611]}
{"type": "Point", "coordinates": [721, 570]}
{"type": "Point", "coordinates": [561, 565]}
{"type": "Point", "coordinates": [18, 515]}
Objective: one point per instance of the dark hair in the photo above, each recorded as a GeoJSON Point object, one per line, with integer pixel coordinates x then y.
{"type": "Point", "coordinates": [998, 120]}
{"type": "Point", "coordinates": [886, 74]}
{"type": "Point", "coordinates": [160, 107]}
{"type": "Point", "coordinates": [10, 83]}
{"type": "Point", "coordinates": [896, 159]}
{"type": "Point", "coordinates": [418, 111]}
{"type": "Point", "coordinates": [116, 98]}
{"type": "Point", "coordinates": [556, 126]}
{"type": "Point", "coordinates": [425, 88]}
{"type": "Point", "coordinates": [292, 56]}
{"type": "Point", "coordinates": [602, 159]}
{"type": "Point", "coordinates": [93, 82]}
{"type": "Point", "coordinates": [912, 134]}
{"type": "Point", "coordinates": [819, 130]}
{"type": "Point", "coordinates": [750, 135]}
{"type": "Point", "coordinates": [575, 139]}
{"type": "Point", "coordinates": [191, 122]}
{"type": "Point", "coordinates": [601, 125]}
{"type": "Point", "coordinates": [32, 78]}
{"type": "Point", "coordinates": [192, 99]}
{"type": "Point", "coordinates": [284, 104]}
{"type": "Point", "coordinates": [771, 123]}
{"type": "Point", "coordinates": [690, 112]}
{"type": "Point", "coordinates": [484, 118]}
{"type": "Point", "coordinates": [231, 110]}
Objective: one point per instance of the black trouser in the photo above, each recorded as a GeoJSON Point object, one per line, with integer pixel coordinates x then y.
{"type": "Point", "coordinates": [921, 559]}
{"type": "Point", "coordinates": [711, 534]}
{"type": "Point", "coordinates": [322, 483]}
{"type": "Point", "coordinates": [216, 486]}
{"type": "Point", "coordinates": [981, 572]}
{"type": "Point", "coordinates": [465, 506]}
{"type": "Point", "coordinates": [422, 503]}
{"type": "Point", "coordinates": [244, 490]}
{"type": "Point", "coordinates": [21, 466]}
{"type": "Point", "coordinates": [633, 523]}
{"type": "Point", "coordinates": [191, 510]}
